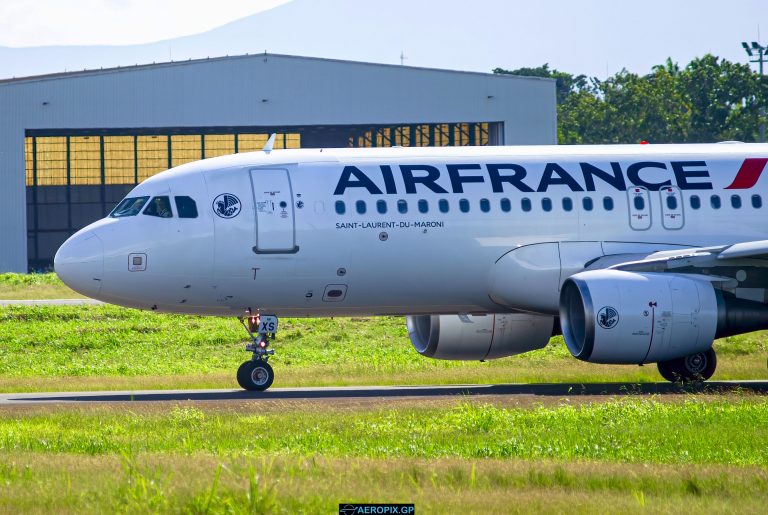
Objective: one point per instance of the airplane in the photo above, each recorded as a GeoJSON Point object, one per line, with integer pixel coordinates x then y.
{"type": "Point", "coordinates": [636, 254]}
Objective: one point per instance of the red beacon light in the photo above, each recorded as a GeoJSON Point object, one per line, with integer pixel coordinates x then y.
{"type": "Point", "coordinates": [644, 142]}
{"type": "Point", "coordinates": [253, 323]}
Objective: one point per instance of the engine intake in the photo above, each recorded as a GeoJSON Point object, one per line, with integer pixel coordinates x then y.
{"type": "Point", "coordinates": [613, 316]}
{"type": "Point", "coordinates": [478, 337]}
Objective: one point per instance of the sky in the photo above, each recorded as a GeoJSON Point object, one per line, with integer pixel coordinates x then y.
{"type": "Point", "coordinates": [594, 37]}
{"type": "Point", "coordinates": [26, 23]}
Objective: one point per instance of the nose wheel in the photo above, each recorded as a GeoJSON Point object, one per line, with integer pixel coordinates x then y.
{"type": "Point", "coordinates": [257, 375]}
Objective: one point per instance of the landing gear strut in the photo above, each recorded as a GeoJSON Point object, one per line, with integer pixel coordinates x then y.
{"type": "Point", "coordinates": [257, 374]}
{"type": "Point", "coordinates": [695, 367]}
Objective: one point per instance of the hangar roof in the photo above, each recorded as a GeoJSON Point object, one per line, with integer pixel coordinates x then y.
{"type": "Point", "coordinates": [189, 62]}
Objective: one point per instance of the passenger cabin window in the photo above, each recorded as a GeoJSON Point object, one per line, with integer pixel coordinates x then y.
{"type": "Point", "coordinates": [546, 204]}
{"type": "Point", "coordinates": [671, 202]}
{"type": "Point", "coordinates": [423, 206]}
{"type": "Point", "coordinates": [464, 205]}
{"type": "Point", "coordinates": [587, 203]}
{"type": "Point", "coordinates": [757, 201]}
{"type": "Point", "coordinates": [402, 206]}
{"type": "Point", "coordinates": [186, 207]}
{"type": "Point", "coordinates": [639, 203]}
{"type": "Point", "coordinates": [443, 205]}
{"type": "Point", "coordinates": [526, 204]}
{"type": "Point", "coordinates": [129, 207]}
{"type": "Point", "coordinates": [160, 207]}
{"type": "Point", "coordinates": [608, 203]}
{"type": "Point", "coordinates": [695, 202]}
{"type": "Point", "coordinates": [567, 204]}
{"type": "Point", "coordinates": [340, 207]}
{"type": "Point", "coordinates": [381, 207]}
{"type": "Point", "coordinates": [360, 207]}
{"type": "Point", "coordinates": [714, 200]}
{"type": "Point", "coordinates": [736, 201]}
{"type": "Point", "coordinates": [506, 205]}
{"type": "Point", "coordinates": [485, 205]}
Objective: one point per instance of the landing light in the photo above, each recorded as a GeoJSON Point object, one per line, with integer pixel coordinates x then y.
{"type": "Point", "coordinates": [253, 323]}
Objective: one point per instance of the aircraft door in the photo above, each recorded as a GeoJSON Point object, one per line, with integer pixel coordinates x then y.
{"type": "Point", "coordinates": [671, 208]}
{"type": "Point", "coordinates": [273, 201]}
{"type": "Point", "coordinates": [639, 208]}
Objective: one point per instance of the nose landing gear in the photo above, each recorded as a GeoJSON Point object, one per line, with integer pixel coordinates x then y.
{"type": "Point", "coordinates": [257, 374]}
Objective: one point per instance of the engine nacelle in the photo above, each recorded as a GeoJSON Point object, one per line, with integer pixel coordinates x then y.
{"type": "Point", "coordinates": [612, 316]}
{"type": "Point", "coordinates": [478, 337]}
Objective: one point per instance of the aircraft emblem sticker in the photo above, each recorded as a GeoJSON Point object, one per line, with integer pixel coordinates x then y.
{"type": "Point", "coordinates": [608, 317]}
{"type": "Point", "coordinates": [226, 205]}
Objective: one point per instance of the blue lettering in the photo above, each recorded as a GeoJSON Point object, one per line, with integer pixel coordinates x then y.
{"type": "Point", "coordinates": [633, 174]}
{"type": "Point", "coordinates": [563, 178]}
{"type": "Point", "coordinates": [591, 171]}
{"type": "Point", "coordinates": [516, 179]}
{"type": "Point", "coordinates": [683, 173]}
{"type": "Point", "coordinates": [389, 180]}
{"type": "Point", "coordinates": [429, 180]}
{"type": "Point", "coordinates": [457, 180]}
{"type": "Point", "coordinates": [362, 181]}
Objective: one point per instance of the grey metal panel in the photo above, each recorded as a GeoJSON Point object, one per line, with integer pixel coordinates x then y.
{"type": "Point", "coordinates": [13, 199]}
{"type": "Point", "coordinates": [253, 90]}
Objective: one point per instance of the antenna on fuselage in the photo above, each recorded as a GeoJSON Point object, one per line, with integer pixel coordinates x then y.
{"type": "Point", "coordinates": [270, 143]}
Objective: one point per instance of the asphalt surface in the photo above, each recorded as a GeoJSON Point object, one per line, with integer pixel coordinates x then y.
{"type": "Point", "coordinates": [50, 302]}
{"type": "Point", "coordinates": [385, 392]}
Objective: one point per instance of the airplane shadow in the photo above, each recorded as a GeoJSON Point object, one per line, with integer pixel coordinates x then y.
{"type": "Point", "coordinates": [542, 389]}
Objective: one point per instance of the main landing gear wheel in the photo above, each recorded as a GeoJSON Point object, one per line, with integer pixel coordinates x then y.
{"type": "Point", "coordinates": [695, 367]}
{"type": "Point", "coordinates": [255, 376]}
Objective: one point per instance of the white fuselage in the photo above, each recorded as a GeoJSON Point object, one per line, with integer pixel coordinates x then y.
{"type": "Point", "coordinates": [411, 231]}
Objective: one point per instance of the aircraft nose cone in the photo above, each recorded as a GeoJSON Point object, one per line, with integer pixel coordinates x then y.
{"type": "Point", "coordinates": [79, 262]}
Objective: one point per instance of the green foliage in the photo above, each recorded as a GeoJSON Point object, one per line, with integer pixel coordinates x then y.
{"type": "Point", "coordinates": [11, 279]}
{"type": "Point", "coordinates": [709, 100]}
{"type": "Point", "coordinates": [53, 348]}
{"type": "Point", "coordinates": [630, 430]}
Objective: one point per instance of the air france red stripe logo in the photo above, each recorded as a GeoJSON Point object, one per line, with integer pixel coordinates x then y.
{"type": "Point", "coordinates": [749, 173]}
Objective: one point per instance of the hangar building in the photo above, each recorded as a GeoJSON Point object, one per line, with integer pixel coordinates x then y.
{"type": "Point", "coordinates": [73, 144]}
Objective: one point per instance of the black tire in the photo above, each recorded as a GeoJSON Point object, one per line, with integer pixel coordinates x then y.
{"type": "Point", "coordinates": [255, 376]}
{"type": "Point", "coordinates": [688, 369]}
{"type": "Point", "coordinates": [668, 370]}
{"type": "Point", "coordinates": [698, 367]}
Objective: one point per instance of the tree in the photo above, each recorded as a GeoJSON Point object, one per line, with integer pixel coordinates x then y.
{"type": "Point", "coordinates": [709, 100]}
{"type": "Point", "coordinates": [724, 98]}
{"type": "Point", "coordinates": [565, 83]}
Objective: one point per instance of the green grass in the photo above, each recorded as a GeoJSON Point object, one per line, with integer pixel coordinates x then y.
{"type": "Point", "coordinates": [621, 455]}
{"type": "Point", "coordinates": [660, 454]}
{"type": "Point", "coordinates": [107, 347]}
{"type": "Point", "coordinates": [628, 431]}
{"type": "Point", "coordinates": [34, 286]}
{"type": "Point", "coordinates": [209, 484]}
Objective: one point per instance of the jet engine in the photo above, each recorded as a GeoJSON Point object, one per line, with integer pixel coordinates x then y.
{"type": "Point", "coordinates": [613, 316]}
{"type": "Point", "coordinates": [478, 337]}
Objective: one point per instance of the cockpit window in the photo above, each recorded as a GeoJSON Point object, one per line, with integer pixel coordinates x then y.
{"type": "Point", "coordinates": [129, 207]}
{"type": "Point", "coordinates": [186, 207]}
{"type": "Point", "coordinates": [159, 206]}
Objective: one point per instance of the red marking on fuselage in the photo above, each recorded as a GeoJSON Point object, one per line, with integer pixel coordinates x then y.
{"type": "Point", "coordinates": [749, 173]}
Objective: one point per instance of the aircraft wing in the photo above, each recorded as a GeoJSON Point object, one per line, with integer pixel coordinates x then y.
{"type": "Point", "coordinates": [747, 249]}
{"type": "Point", "coordinates": [711, 263]}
